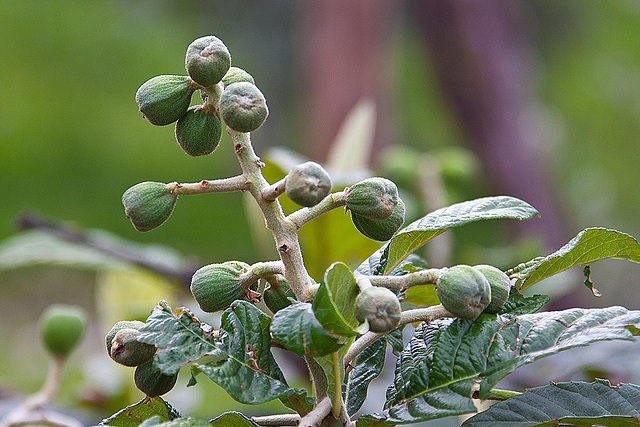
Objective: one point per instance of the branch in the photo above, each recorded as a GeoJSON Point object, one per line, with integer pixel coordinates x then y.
{"type": "Point", "coordinates": [277, 420]}
{"type": "Point", "coordinates": [317, 414]}
{"type": "Point", "coordinates": [424, 277]}
{"type": "Point", "coordinates": [304, 215]}
{"type": "Point", "coordinates": [226, 185]}
{"type": "Point", "coordinates": [261, 270]}
{"type": "Point", "coordinates": [272, 192]}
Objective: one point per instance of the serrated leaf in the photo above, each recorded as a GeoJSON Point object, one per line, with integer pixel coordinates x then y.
{"type": "Point", "coordinates": [589, 246]}
{"type": "Point", "coordinates": [333, 311]}
{"type": "Point", "coordinates": [180, 337]}
{"type": "Point", "coordinates": [517, 304]}
{"type": "Point", "coordinates": [298, 330]}
{"type": "Point", "coordinates": [368, 366]}
{"type": "Point", "coordinates": [133, 415]}
{"type": "Point", "coordinates": [248, 371]}
{"type": "Point", "coordinates": [443, 360]}
{"type": "Point", "coordinates": [232, 419]}
{"type": "Point", "coordinates": [569, 403]}
{"type": "Point", "coordinates": [437, 222]}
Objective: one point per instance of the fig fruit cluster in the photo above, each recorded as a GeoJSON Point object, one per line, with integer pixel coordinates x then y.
{"type": "Point", "coordinates": [376, 209]}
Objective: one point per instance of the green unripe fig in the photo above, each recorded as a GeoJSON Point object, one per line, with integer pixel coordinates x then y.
{"type": "Point", "coordinates": [123, 324]}
{"type": "Point", "coordinates": [216, 286]}
{"type": "Point", "coordinates": [307, 184]}
{"type": "Point", "coordinates": [61, 327]}
{"type": "Point", "coordinates": [374, 198]}
{"type": "Point", "coordinates": [237, 75]}
{"type": "Point", "coordinates": [382, 229]}
{"type": "Point", "coordinates": [464, 291]}
{"type": "Point", "coordinates": [500, 286]}
{"type": "Point", "coordinates": [128, 351]}
{"type": "Point", "coordinates": [243, 107]}
{"type": "Point", "coordinates": [199, 131]}
{"type": "Point", "coordinates": [277, 297]}
{"type": "Point", "coordinates": [164, 99]}
{"type": "Point", "coordinates": [149, 204]}
{"type": "Point", "coordinates": [207, 60]}
{"type": "Point", "coordinates": [379, 307]}
{"type": "Point", "coordinates": [151, 381]}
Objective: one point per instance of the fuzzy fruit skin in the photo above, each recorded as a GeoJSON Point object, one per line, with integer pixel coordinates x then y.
{"type": "Point", "coordinates": [381, 230]}
{"type": "Point", "coordinates": [61, 328]}
{"type": "Point", "coordinates": [153, 382]}
{"type": "Point", "coordinates": [374, 198]}
{"type": "Point", "coordinates": [199, 131]}
{"type": "Point", "coordinates": [237, 75]}
{"type": "Point", "coordinates": [122, 324]}
{"type": "Point", "coordinates": [307, 184]}
{"type": "Point", "coordinates": [128, 351]}
{"type": "Point", "coordinates": [207, 60]}
{"type": "Point", "coordinates": [148, 204]}
{"type": "Point", "coordinates": [500, 286]}
{"type": "Point", "coordinates": [277, 298]}
{"type": "Point", "coordinates": [464, 291]}
{"type": "Point", "coordinates": [380, 307]}
{"type": "Point", "coordinates": [243, 107]}
{"type": "Point", "coordinates": [216, 286]}
{"type": "Point", "coordinates": [164, 99]}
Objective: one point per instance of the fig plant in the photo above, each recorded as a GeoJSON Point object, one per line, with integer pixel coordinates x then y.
{"type": "Point", "coordinates": [342, 322]}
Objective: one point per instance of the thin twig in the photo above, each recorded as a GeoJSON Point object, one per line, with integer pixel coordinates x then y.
{"type": "Point", "coordinates": [304, 215]}
{"type": "Point", "coordinates": [317, 414]}
{"type": "Point", "coordinates": [429, 276]}
{"type": "Point", "coordinates": [226, 185]}
{"type": "Point", "coordinates": [277, 420]}
{"type": "Point", "coordinates": [272, 192]}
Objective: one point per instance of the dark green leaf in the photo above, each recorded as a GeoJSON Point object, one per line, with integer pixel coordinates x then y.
{"type": "Point", "coordinates": [180, 337]}
{"type": "Point", "coordinates": [326, 312]}
{"type": "Point", "coordinates": [395, 339]}
{"type": "Point", "coordinates": [571, 403]}
{"type": "Point", "coordinates": [368, 366]}
{"type": "Point", "coordinates": [517, 304]}
{"type": "Point", "coordinates": [182, 422]}
{"type": "Point", "coordinates": [298, 401]}
{"type": "Point", "coordinates": [587, 247]}
{"type": "Point", "coordinates": [232, 419]}
{"type": "Point", "coordinates": [325, 308]}
{"type": "Point", "coordinates": [248, 371]}
{"type": "Point", "coordinates": [133, 415]}
{"type": "Point", "coordinates": [298, 330]}
{"type": "Point", "coordinates": [438, 367]}
{"type": "Point", "coordinates": [343, 287]}
{"type": "Point", "coordinates": [373, 420]}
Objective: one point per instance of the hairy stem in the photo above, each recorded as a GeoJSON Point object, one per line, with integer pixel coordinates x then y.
{"type": "Point", "coordinates": [261, 270]}
{"type": "Point", "coordinates": [337, 388]}
{"type": "Point", "coordinates": [499, 394]}
{"type": "Point", "coordinates": [304, 215]}
{"type": "Point", "coordinates": [424, 277]}
{"type": "Point", "coordinates": [318, 413]}
{"type": "Point", "coordinates": [318, 378]}
{"type": "Point", "coordinates": [272, 192]}
{"type": "Point", "coordinates": [277, 420]}
{"type": "Point", "coordinates": [226, 185]}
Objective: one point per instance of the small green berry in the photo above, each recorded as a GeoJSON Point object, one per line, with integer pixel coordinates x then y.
{"type": "Point", "coordinates": [151, 381]}
{"type": "Point", "coordinates": [123, 324]}
{"type": "Point", "coordinates": [277, 297]}
{"type": "Point", "coordinates": [243, 107]}
{"type": "Point", "coordinates": [61, 327]}
{"type": "Point", "coordinates": [374, 198]}
{"type": "Point", "coordinates": [464, 291]}
{"type": "Point", "coordinates": [500, 286]}
{"type": "Point", "coordinates": [149, 204]}
{"type": "Point", "coordinates": [199, 131]}
{"type": "Point", "coordinates": [164, 99]}
{"type": "Point", "coordinates": [379, 307]}
{"type": "Point", "coordinates": [207, 60]}
{"type": "Point", "coordinates": [128, 351]}
{"type": "Point", "coordinates": [237, 75]}
{"type": "Point", "coordinates": [216, 286]}
{"type": "Point", "coordinates": [307, 184]}
{"type": "Point", "coordinates": [380, 229]}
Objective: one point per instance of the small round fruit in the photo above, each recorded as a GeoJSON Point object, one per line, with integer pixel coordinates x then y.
{"type": "Point", "coordinates": [464, 291]}
{"type": "Point", "coordinates": [382, 229]}
{"type": "Point", "coordinates": [128, 351]}
{"type": "Point", "coordinates": [307, 184]}
{"type": "Point", "coordinates": [216, 286]}
{"type": "Point", "coordinates": [123, 324]}
{"type": "Point", "coordinates": [151, 381]}
{"type": "Point", "coordinates": [374, 198]}
{"type": "Point", "coordinates": [380, 308]}
{"type": "Point", "coordinates": [199, 131]}
{"type": "Point", "coordinates": [149, 204]}
{"type": "Point", "coordinates": [236, 75]}
{"type": "Point", "coordinates": [61, 327]}
{"type": "Point", "coordinates": [500, 286]}
{"type": "Point", "coordinates": [207, 60]}
{"type": "Point", "coordinates": [243, 107]}
{"type": "Point", "coordinates": [277, 297]}
{"type": "Point", "coordinates": [164, 99]}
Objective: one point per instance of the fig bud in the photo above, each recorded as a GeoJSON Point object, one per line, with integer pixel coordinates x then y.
{"type": "Point", "coordinates": [500, 286]}
{"type": "Point", "coordinates": [382, 229]}
{"type": "Point", "coordinates": [277, 297]}
{"type": "Point", "coordinates": [123, 324]}
{"type": "Point", "coordinates": [149, 204]}
{"type": "Point", "coordinates": [128, 351]}
{"type": "Point", "coordinates": [151, 381]}
{"type": "Point", "coordinates": [207, 60]}
{"type": "Point", "coordinates": [374, 198]}
{"type": "Point", "coordinates": [199, 131]}
{"type": "Point", "coordinates": [307, 184]}
{"type": "Point", "coordinates": [237, 75]}
{"type": "Point", "coordinates": [379, 307]}
{"type": "Point", "coordinates": [216, 286]}
{"type": "Point", "coordinates": [464, 291]}
{"type": "Point", "coordinates": [243, 107]}
{"type": "Point", "coordinates": [164, 99]}
{"type": "Point", "coordinates": [61, 327]}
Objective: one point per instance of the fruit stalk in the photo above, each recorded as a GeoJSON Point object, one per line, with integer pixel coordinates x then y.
{"type": "Point", "coordinates": [226, 185]}
{"type": "Point", "coordinates": [424, 277]}
{"type": "Point", "coordinates": [304, 215]}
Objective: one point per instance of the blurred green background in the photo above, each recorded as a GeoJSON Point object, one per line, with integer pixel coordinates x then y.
{"type": "Point", "coordinates": [72, 139]}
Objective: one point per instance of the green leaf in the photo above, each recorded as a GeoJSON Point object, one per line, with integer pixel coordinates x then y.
{"type": "Point", "coordinates": [298, 330]}
{"type": "Point", "coordinates": [373, 420]}
{"type": "Point", "coordinates": [135, 414]}
{"type": "Point", "coordinates": [426, 228]}
{"type": "Point", "coordinates": [180, 337]}
{"type": "Point", "coordinates": [179, 422]}
{"type": "Point", "coordinates": [299, 401]}
{"type": "Point", "coordinates": [439, 366]}
{"type": "Point", "coordinates": [248, 371]}
{"type": "Point", "coordinates": [333, 311]}
{"type": "Point", "coordinates": [589, 246]}
{"type": "Point", "coordinates": [518, 305]}
{"type": "Point", "coordinates": [570, 403]}
{"type": "Point", "coordinates": [368, 366]}
{"type": "Point", "coordinates": [232, 419]}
